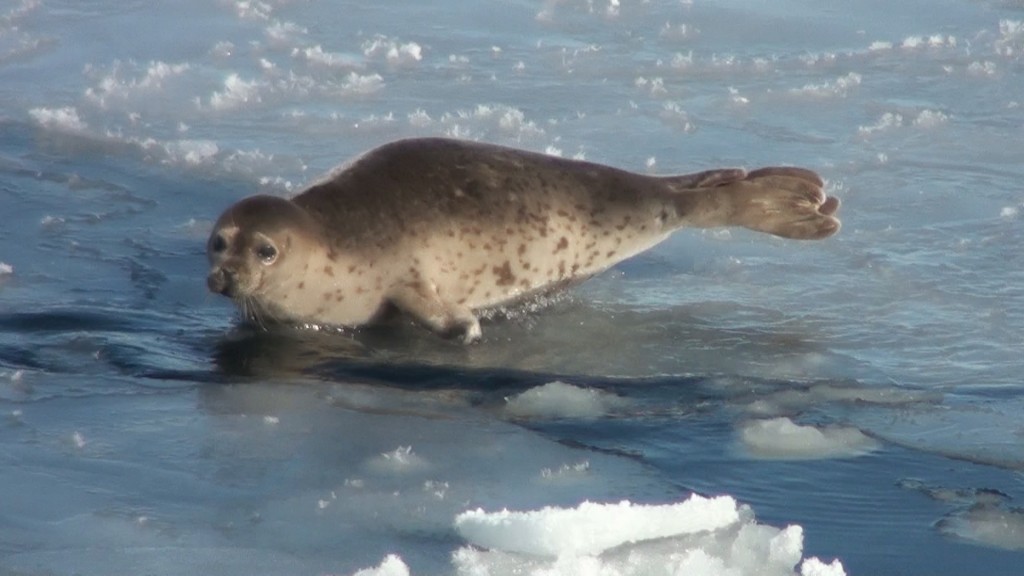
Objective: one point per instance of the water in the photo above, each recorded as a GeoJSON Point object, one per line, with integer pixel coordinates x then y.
{"type": "Point", "coordinates": [142, 430]}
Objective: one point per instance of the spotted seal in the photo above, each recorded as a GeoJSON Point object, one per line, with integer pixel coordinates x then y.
{"type": "Point", "coordinates": [442, 229]}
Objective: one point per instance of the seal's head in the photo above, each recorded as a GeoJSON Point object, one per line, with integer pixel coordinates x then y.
{"type": "Point", "coordinates": [256, 247]}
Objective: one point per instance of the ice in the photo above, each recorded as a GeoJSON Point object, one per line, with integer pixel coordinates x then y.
{"type": "Point", "coordinates": [562, 400]}
{"type": "Point", "coordinates": [722, 361]}
{"type": "Point", "coordinates": [781, 438]}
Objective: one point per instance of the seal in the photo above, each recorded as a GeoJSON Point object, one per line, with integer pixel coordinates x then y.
{"type": "Point", "coordinates": [443, 229]}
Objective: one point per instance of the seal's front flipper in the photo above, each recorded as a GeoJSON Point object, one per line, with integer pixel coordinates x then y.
{"type": "Point", "coordinates": [421, 301]}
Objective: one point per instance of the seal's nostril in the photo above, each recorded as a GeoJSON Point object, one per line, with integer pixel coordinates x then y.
{"type": "Point", "coordinates": [220, 281]}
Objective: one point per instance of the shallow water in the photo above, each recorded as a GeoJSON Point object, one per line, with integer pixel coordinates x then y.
{"type": "Point", "coordinates": [144, 430]}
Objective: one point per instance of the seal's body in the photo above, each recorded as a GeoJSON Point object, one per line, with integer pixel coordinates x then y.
{"type": "Point", "coordinates": [441, 229]}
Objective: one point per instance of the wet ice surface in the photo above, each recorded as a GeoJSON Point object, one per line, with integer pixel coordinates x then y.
{"type": "Point", "coordinates": [856, 399]}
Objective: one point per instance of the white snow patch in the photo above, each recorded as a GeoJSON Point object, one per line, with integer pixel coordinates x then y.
{"type": "Point", "coordinates": [191, 152]}
{"type": "Point", "coordinates": [419, 118]}
{"type": "Point", "coordinates": [6, 269]}
{"type": "Point", "coordinates": [815, 567]}
{"type": "Point", "coordinates": [62, 119]}
{"type": "Point", "coordinates": [115, 84]}
{"type": "Point", "coordinates": [400, 460]}
{"type": "Point", "coordinates": [1011, 38]}
{"type": "Point", "coordinates": [887, 121]}
{"type": "Point", "coordinates": [507, 120]}
{"type": "Point", "coordinates": [781, 438]}
{"type": "Point", "coordinates": [930, 119]}
{"type": "Point", "coordinates": [933, 41]}
{"type": "Point", "coordinates": [236, 92]}
{"type": "Point", "coordinates": [285, 32]}
{"type": "Point", "coordinates": [393, 51]}
{"type": "Point", "coordinates": [592, 528]}
{"type": "Point", "coordinates": [566, 471]}
{"type": "Point", "coordinates": [839, 87]}
{"type": "Point", "coordinates": [561, 400]}
{"type": "Point", "coordinates": [362, 83]}
{"type": "Point", "coordinates": [698, 537]}
{"type": "Point", "coordinates": [391, 566]}
{"type": "Point", "coordinates": [253, 10]}
{"type": "Point", "coordinates": [317, 55]}
{"type": "Point", "coordinates": [986, 68]}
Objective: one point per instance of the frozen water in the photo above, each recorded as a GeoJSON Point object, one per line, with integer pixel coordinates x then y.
{"type": "Point", "coordinates": [861, 395]}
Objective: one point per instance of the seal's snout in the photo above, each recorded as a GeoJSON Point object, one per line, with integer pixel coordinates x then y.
{"type": "Point", "coordinates": [221, 281]}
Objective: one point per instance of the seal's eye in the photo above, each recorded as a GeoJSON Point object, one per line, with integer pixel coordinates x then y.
{"type": "Point", "coordinates": [218, 244]}
{"type": "Point", "coordinates": [266, 253]}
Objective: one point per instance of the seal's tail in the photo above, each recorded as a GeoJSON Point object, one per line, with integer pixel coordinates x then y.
{"type": "Point", "coordinates": [783, 201]}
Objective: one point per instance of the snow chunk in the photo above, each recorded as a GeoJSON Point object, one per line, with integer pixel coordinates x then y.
{"type": "Point", "coordinates": [933, 41]}
{"type": "Point", "coordinates": [6, 269]}
{"type": "Point", "coordinates": [191, 152]}
{"type": "Point", "coordinates": [236, 92]}
{"type": "Point", "coordinates": [593, 528]}
{"type": "Point", "coordinates": [391, 566]}
{"type": "Point", "coordinates": [839, 87]}
{"type": "Point", "coordinates": [815, 567]}
{"type": "Point", "coordinates": [393, 51]}
{"type": "Point", "coordinates": [888, 121]}
{"type": "Point", "coordinates": [63, 119]}
{"type": "Point", "coordinates": [362, 83]}
{"type": "Point", "coordinates": [781, 438]}
{"type": "Point", "coordinates": [400, 460]}
{"type": "Point", "coordinates": [1011, 38]}
{"type": "Point", "coordinates": [930, 119]}
{"type": "Point", "coordinates": [987, 524]}
{"type": "Point", "coordinates": [317, 55]}
{"type": "Point", "coordinates": [698, 537]}
{"type": "Point", "coordinates": [560, 400]}
{"type": "Point", "coordinates": [115, 84]}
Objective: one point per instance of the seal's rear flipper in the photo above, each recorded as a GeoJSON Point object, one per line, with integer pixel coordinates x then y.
{"type": "Point", "coordinates": [782, 200]}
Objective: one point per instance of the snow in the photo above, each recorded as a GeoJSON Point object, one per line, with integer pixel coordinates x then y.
{"type": "Point", "coordinates": [699, 536]}
{"type": "Point", "coordinates": [562, 400]}
{"type": "Point", "coordinates": [592, 528]}
{"type": "Point", "coordinates": [784, 439]}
